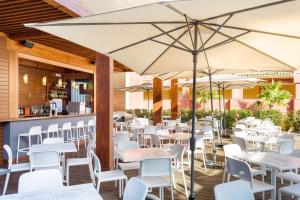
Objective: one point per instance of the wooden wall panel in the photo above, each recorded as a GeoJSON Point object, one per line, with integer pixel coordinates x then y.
{"type": "Point", "coordinates": [157, 101]}
{"type": "Point", "coordinates": [119, 97]}
{"type": "Point", "coordinates": [33, 93]}
{"type": "Point", "coordinates": [4, 97]}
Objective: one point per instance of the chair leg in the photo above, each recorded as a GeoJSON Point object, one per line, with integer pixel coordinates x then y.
{"type": "Point", "coordinates": [184, 182]}
{"type": "Point", "coordinates": [204, 162]}
{"type": "Point", "coordinates": [6, 183]}
{"type": "Point", "coordinates": [98, 185]}
{"type": "Point", "coordinates": [174, 181]}
{"type": "Point", "coordinates": [279, 195]}
{"type": "Point", "coordinates": [67, 175]}
{"type": "Point", "coordinates": [224, 174]}
{"type": "Point", "coordinates": [18, 147]}
{"type": "Point", "coordinates": [228, 177]}
{"type": "Point", "coordinates": [91, 173]}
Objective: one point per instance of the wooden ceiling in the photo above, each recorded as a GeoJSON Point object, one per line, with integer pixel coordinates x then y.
{"type": "Point", "coordinates": [15, 13]}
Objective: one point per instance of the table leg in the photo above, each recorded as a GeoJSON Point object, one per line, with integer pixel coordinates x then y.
{"type": "Point", "coordinates": [273, 182]}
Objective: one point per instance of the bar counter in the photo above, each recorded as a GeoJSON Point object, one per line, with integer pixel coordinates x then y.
{"type": "Point", "coordinates": [15, 126]}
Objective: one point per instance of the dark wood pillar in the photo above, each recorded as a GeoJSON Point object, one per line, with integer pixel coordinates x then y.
{"type": "Point", "coordinates": [104, 110]}
{"type": "Point", "coordinates": [174, 99]}
{"type": "Point", "coordinates": [157, 100]}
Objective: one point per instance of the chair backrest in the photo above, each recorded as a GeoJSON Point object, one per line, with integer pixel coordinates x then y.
{"type": "Point", "coordinates": [95, 163]}
{"type": "Point", "coordinates": [53, 141]}
{"type": "Point", "coordinates": [178, 129]}
{"type": "Point", "coordinates": [91, 125]}
{"type": "Point", "coordinates": [127, 145]}
{"type": "Point", "coordinates": [156, 167]}
{"type": "Point", "coordinates": [9, 155]}
{"type": "Point", "coordinates": [121, 137]}
{"type": "Point", "coordinates": [90, 147]}
{"type": "Point", "coordinates": [239, 133]}
{"type": "Point", "coordinates": [135, 189]}
{"type": "Point", "coordinates": [239, 168]}
{"type": "Point", "coordinates": [199, 141]}
{"type": "Point", "coordinates": [155, 140]}
{"type": "Point", "coordinates": [149, 129]}
{"type": "Point", "coordinates": [241, 126]}
{"type": "Point", "coordinates": [53, 128]}
{"type": "Point", "coordinates": [177, 150]}
{"type": "Point", "coordinates": [163, 132]}
{"type": "Point", "coordinates": [171, 123]}
{"type": "Point", "coordinates": [231, 150]}
{"type": "Point", "coordinates": [235, 190]}
{"type": "Point", "coordinates": [287, 136]}
{"type": "Point", "coordinates": [286, 147]}
{"type": "Point", "coordinates": [141, 121]}
{"type": "Point", "coordinates": [80, 124]}
{"type": "Point", "coordinates": [158, 126]}
{"type": "Point", "coordinates": [296, 153]}
{"type": "Point", "coordinates": [35, 130]}
{"type": "Point", "coordinates": [44, 160]}
{"type": "Point", "coordinates": [240, 141]}
{"type": "Point", "coordinates": [42, 180]}
{"type": "Point", "coordinates": [67, 126]}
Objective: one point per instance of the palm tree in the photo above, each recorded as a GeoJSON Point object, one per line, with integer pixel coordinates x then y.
{"type": "Point", "coordinates": [204, 96]}
{"type": "Point", "coordinates": [274, 94]}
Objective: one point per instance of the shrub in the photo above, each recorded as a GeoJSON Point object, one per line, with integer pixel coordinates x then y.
{"type": "Point", "coordinates": [243, 113]}
{"type": "Point", "coordinates": [230, 119]}
{"type": "Point", "coordinates": [273, 115]}
{"type": "Point", "coordinates": [296, 123]}
{"type": "Point", "coordinates": [186, 115]}
{"type": "Point", "coordinates": [288, 121]}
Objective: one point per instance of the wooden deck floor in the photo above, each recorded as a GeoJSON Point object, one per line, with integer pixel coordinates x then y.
{"type": "Point", "coordinates": [205, 181]}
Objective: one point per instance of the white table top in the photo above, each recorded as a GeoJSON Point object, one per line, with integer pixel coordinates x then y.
{"type": "Point", "coordinates": [273, 160]}
{"type": "Point", "coordinates": [140, 154]}
{"type": "Point", "coordinates": [265, 140]}
{"type": "Point", "coordinates": [60, 148]}
{"type": "Point", "coordinates": [75, 192]}
{"type": "Point", "coordinates": [176, 136]}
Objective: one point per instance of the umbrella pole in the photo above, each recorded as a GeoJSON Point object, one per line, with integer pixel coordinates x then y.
{"type": "Point", "coordinates": [220, 125]}
{"type": "Point", "coordinates": [193, 140]}
{"type": "Point", "coordinates": [148, 104]}
{"type": "Point", "coordinates": [223, 88]}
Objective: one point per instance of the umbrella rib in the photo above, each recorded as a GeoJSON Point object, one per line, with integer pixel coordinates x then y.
{"type": "Point", "coordinates": [215, 32]}
{"type": "Point", "coordinates": [147, 39]}
{"type": "Point", "coordinates": [247, 9]}
{"type": "Point", "coordinates": [204, 51]}
{"type": "Point", "coordinates": [177, 47]}
{"type": "Point", "coordinates": [224, 42]}
{"type": "Point", "coordinates": [156, 59]}
{"type": "Point", "coordinates": [251, 47]}
{"type": "Point", "coordinates": [171, 37]}
{"type": "Point", "coordinates": [190, 33]}
{"type": "Point", "coordinates": [178, 12]}
{"type": "Point", "coordinates": [254, 30]}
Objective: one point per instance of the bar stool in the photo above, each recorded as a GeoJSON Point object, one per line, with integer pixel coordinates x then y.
{"type": "Point", "coordinates": [53, 130]}
{"type": "Point", "coordinates": [81, 133]}
{"type": "Point", "coordinates": [66, 131]}
{"type": "Point", "coordinates": [91, 128]}
{"type": "Point", "coordinates": [33, 131]}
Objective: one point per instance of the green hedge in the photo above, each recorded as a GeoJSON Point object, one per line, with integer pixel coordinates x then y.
{"type": "Point", "coordinates": [273, 115]}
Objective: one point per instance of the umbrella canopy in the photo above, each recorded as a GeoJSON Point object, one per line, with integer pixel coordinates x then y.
{"type": "Point", "coordinates": [197, 34]}
{"type": "Point", "coordinates": [140, 88]}
{"type": "Point", "coordinates": [236, 34]}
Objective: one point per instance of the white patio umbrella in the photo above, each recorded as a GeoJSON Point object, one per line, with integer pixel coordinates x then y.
{"type": "Point", "coordinates": [194, 34]}
{"type": "Point", "coordinates": [141, 88]}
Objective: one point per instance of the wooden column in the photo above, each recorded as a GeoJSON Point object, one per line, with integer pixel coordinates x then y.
{"type": "Point", "coordinates": [174, 99]}
{"type": "Point", "coordinates": [157, 100]}
{"type": "Point", "coordinates": [13, 83]}
{"type": "Point", "coordinates": [104, 110]}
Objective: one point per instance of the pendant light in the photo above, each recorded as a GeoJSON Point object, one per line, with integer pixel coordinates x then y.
{"type": "Point", "coordinates": [25, 78]}
{"type": "Point", "coordinates": [44, 80]}
{"type": "Point", "coordinates": [73, 83]}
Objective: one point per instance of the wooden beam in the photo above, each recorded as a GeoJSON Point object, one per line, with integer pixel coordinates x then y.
{"type": "Point", "coordinates": [174, 99]}
{"type": "Point", "coordinates": [157, 100]}
{"type": "Point", "coordinates": [63, 8]}
{"type": "Point", "coordinates": [104, 110]}
{"type": "Point", "coordinates": [28, 35]}
{"type": "Point", "coordinates": [52, 56]}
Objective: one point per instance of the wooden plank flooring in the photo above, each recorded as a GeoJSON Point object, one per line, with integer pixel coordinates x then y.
{"type": "Point", "coordinates": [205, 181]}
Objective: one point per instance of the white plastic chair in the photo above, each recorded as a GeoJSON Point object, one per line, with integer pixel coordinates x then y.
{"type": "Point", "coordinates": [242, 170]}
{"type": "Point", "coordinates": [235, 190]}
{"type": "Point", "coordinates": [241, 142]}
{"type": "Point", "coordinates": [177, 151]}
{"type": "Point", "coordinates": [52, 131]}
{"type": "Point", "coordinates": [199, 149]}
{"type": "Point", "coordinates": [66, 131]}
{"type": "Point", "coordinates": [231, 150]}
{"type": "Point", "coordinates": [127, 146]}
{"type": "Point", "coordinates": [241, 126]}
{"type": "Point", "coordinates": [12, 167]}
{"type": "Point", "coordinates": [33, 131]}
{"type": "Point", "coordinates": [44, 160]}
{"type": "Point", "coordinates": [42, 180]}
{"type": "Point", "coordinates": [121, 137]}
{"type": "Point", "coordinates": [292, 190]}
{"type": "Point", "coordinates": [157, 173]}
{"type": "Point", "coordinates": [158, 126]}
{"type": "Point", "coordinates": [135, 190]}
{"type": "Point", "coordinates": [81, 161]}
{"type": "Point", "coordinates": [91, 128]}
{"type": "Point", "coordinates": [106, 176]}
{"type": "Point", "coordinates": [81, 133]}
{"type": "Point", "coordinates": [286, 147]}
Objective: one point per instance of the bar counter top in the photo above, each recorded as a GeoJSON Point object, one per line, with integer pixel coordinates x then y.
{"type": "Point", "coordinates": [40, 118]}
